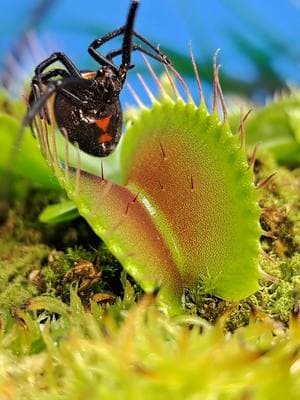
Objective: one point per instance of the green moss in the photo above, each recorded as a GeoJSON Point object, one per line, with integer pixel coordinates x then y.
{"type": "Point", "coordinates": [17, 261]}
{"type": "Point", "coordinates": [60, 263]}
{"type": "Point", "coordinates": [34, 257]}
{"type": "Point", "coordinates": [276, 298]}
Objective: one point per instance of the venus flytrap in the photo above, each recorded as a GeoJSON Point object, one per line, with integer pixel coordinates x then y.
{"type": "Point", "coordinates": [176, 203]}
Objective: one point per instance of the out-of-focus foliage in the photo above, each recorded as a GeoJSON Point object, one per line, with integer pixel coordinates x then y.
{"type": "Point", "coordinates": [275, 127]}
{"type": "Point", "coordinates": [60, 212]}
{"type": "Point", "coordinates": [121, 354]}
{"type": "Point", "coordinates": [20, 159]}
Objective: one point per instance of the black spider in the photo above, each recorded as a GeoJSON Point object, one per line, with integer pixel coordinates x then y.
{"type": "Point", "coordinates": [86, 104]}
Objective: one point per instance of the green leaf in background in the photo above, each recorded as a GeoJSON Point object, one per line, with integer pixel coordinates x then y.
{"type": "Point", "coordinates": [61, 212]}
{"type": "Point", "coordinates": [275, 127]}
{"type": "Point", "coordinates": [28, 162]}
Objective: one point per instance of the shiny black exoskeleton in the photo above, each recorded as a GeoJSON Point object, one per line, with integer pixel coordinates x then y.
{"type": "Point", "coordinates": [86, 105]}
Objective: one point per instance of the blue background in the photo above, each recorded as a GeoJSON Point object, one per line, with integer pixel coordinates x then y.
{"type": "Point", "coordinates": [259, 41]}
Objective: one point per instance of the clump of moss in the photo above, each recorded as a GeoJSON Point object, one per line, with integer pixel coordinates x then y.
{"type": "Point", "coordinates": [280, 203]}
{"type": "Point", "coordinates": [17, 261]}
{"type": "Point", "coordinates": [21, 252]}
{"type": "Point", "coordinates": [35, 257]}
{"type": "Point", "coordinates": [57, 274]}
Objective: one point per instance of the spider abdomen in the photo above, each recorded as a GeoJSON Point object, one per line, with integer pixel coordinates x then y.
{"type": "Point", "coordinates": [96, 130]}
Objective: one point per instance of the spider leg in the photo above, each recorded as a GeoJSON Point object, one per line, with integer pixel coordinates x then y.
{"type": "Point", "coordinates": [71, 96]}
{"type": "Point", "coordinates": [41, 99]}
{"type": "Point", "coordinates": [162, 57]}
{"type": "Point", "coordinates": [63, 59]}
{"type": "Point", "coordinates": [127, 30]}
{"type": "Point", "coordinates": [128, 33]}
{"type": "Point", "coordinates": [107, 60]}
{"type": "Point", "coordinates": [159, 57]}
{"type": "Point", "coordinates": [99, 42]}
{"type": "Point", "coordinates": [44, 77]}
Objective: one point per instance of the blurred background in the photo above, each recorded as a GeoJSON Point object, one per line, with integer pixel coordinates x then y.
{"type": "Point", "coordinates": [259, 41]}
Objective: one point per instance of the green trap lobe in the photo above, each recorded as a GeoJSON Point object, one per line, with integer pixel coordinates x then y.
{"type": "Point", "coordinates": [122, 220]}
{"type": "Point", "coordinates": [193, 174]}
